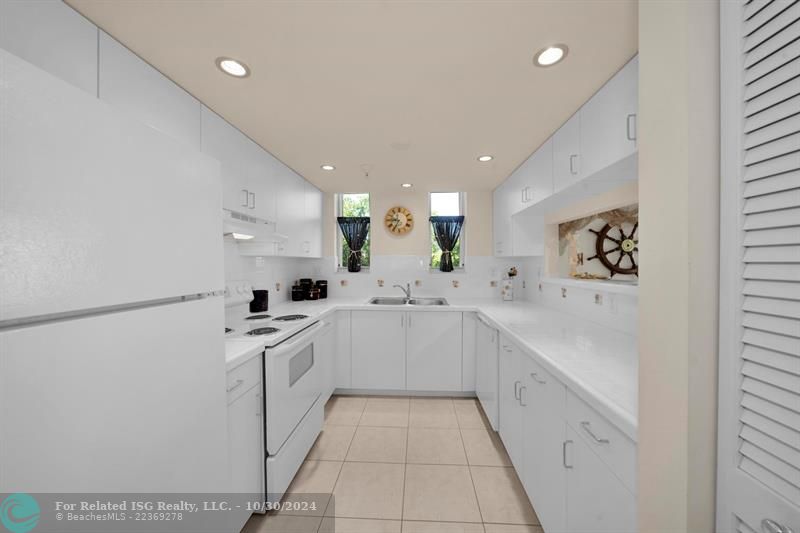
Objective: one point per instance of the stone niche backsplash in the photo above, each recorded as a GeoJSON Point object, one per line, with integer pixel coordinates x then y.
{"type": "Point", "coordinates": [577, 243]}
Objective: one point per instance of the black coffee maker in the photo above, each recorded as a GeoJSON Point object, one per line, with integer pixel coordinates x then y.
{"type": "Point", "coordinates": [260, 301]}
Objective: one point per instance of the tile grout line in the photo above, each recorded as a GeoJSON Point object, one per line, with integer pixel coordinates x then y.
{"type": "Point", "coordinates": [472, 480]}
{"type": "Point", "coordinates": [338, 475]}
{"type": "Point", "coordinates": [405, 472]}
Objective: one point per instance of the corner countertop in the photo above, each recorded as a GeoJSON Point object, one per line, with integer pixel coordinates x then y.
{"type": "Point", "coordinates": [598, 364]}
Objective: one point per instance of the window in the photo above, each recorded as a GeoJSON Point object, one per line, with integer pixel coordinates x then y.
{"type": "Point", "coordinates": [351, 205]}
{"type": "Point", "coordinates": [446, 204]}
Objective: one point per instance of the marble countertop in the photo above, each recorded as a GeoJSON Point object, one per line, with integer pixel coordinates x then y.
{"type": "Point", "coordinates": [598, 364]}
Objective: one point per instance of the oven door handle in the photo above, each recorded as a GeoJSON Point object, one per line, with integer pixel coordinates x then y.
{"type": "Point", "coordinates": [307, 334]}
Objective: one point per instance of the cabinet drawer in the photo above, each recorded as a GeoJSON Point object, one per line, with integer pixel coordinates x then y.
{"type": "Point", "coordinates": [243, 377]}
{"type": "Point", "coordinates": [608, 442]}
{"type": "Point", "coordinates": [544, 389]}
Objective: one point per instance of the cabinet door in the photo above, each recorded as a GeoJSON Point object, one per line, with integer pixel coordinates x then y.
{"type": "Point", "coordinates": [501, 221]}
{"type": "Point", "coordinates": [596, 499]}
{"type": "Point", "coordinates": [312, 240]}
{"type": "Point", "coordinates": [223, 142]}
{"type": "Point", "coordinates": [290, 210]}
{"type": "Point", "coordinates": [468, 351]}
{"type": "Point", "coordinates": [246, 442]}
{"type": "Point", "coordinates": [343, 378]}
{"type": "Point", "coordinates": [325, 352]}
{"type": "Point", "coordinates": [434, 351]}
{"type": "Point", "coordinates": [379, 349]}
{"type": "Point", "coordinates": [130, 84]}
{"type": "Point", "coordinates": [544, 476]}
{"type": "Point", "coordinates": [608, 121]}
{"type": "Point", "coordinates": [566, 154]}
{"type": "Point", "coordinates": [539, 176]}
{"type": "Point", "coordinates": [262, 182]}
{"type": "Point", "coordinates": [486, 370]}
{"type": "Point", "coordinates": [510, 416]}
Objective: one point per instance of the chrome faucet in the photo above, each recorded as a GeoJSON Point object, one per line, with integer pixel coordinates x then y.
{"type": "Point", "coordinates": [406, 289]}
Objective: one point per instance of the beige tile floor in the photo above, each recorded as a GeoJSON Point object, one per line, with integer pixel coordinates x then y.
{"type": "Point", "coordinates": [406, 465]}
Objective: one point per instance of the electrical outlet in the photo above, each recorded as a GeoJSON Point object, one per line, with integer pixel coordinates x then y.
{"type": "Point", "coordinates": [277, 287]}
{"type": "Point", "coordinates": [455, 283]}
{"type": "Point", "coordinates": [540, 287]}
{"type": "Point", "coordinates": [598, 299]}
{"type": "Point", "coordinates": [563, 292]}
{"type": "Point", "coordinates": [380, 283]}
{"type": "Point", "coordinates": [417, 283]}
{"type": "Point", "coordinates": [343, 282]}
{"type": "Point", "coordinates": [523, 283]}
{"type": "Point", "coordinates": [493, 284]}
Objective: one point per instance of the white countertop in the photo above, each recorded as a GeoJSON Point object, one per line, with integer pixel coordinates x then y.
{"type": "Point", "coordinates": [598, 364]}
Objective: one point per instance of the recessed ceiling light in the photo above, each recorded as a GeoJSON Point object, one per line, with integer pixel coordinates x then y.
{"type": "Point", "coordinates": [235, 68]}
{"type": "Point", "coordinates": [328, 167]}
{"type": "Point", "coordinates": [485, 158]}
{"type": "Point", "coordinates": [551, 55]}
{"type": "Point", "coordinates": [407, 185]}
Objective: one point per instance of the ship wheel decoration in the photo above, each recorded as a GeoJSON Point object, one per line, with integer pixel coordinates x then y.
{"type": "Point", "coordinates": [624, 246]}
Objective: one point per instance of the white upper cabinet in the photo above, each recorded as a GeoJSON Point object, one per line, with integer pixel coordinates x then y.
{"type": "Point", "coordinates": [501, 220]}
{"type": "Point", "coordinates": [130, 84]}
{"type": "Point", "coordinates": [223, 142]}
{"type": "Point", "coordinates": [538, 178]}
{"type": "Point", "coordinates": [52, 36]}
{"type": "Point", "coordinates": [260, 181]}
{"type": "Point", "coordinates": [608, 121]}
{"type": "Point", "coordinates": [290, 208]}
{"type": "Point", "coordinates": [567, 154]}
{"type": "Point", "coordinates": [312, 243]}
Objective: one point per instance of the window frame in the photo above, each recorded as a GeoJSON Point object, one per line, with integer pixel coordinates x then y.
{"type": "Point", "coordinates": [462, 209]}
{"type": "Point", "coordinates": [338, 208]}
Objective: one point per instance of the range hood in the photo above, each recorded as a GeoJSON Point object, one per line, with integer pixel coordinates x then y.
{"type": "Point", "coordinates": [249, 229]}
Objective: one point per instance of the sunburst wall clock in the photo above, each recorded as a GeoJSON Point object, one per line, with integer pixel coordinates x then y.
{"type": "Point", "coordinates": [399, 220]}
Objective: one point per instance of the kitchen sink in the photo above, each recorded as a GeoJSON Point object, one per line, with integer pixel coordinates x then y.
{"type": "Point", "coordinates": [427, 301]}
{"type": "Point", "coordinates": [388, 300]}
{"type": "Point", "coordinates": [399, 300]}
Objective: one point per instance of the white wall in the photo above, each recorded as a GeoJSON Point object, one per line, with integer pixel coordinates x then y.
{"type": "Point", "coordinates": [679, 214]}
{"type": "Point", "coordinates": [275, 274]}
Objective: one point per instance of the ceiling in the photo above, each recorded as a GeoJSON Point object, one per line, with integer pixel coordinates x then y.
{"type": "Point", "coordinates": [416, 90]}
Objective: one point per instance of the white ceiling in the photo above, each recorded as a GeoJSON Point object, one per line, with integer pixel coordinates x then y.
{"type": "Point", "coordinates": [415, 89]}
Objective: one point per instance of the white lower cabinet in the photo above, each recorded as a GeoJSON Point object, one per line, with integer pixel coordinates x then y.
{"type": "Point", "coordinates": [486, 341]}
{"type": "Point", "coordinates": [469, 351]}
{"type": "Point", "coordinates": [509, 394]}
{"type": "Point", "coordinates": [577, 468]}
{"type": "Point", "coordinates": [378, 350]}
{"type": "Point", "coordinates": [343, 377]}
{"type": "Point", "coordinates": [246, 435]}
{"type": "Point", "coordinates": [596, 499]}
{"type": "Point", "coordinates": [406, 350]}
{"type": "Point", "coordinates": [325, 355]}
{"type": "Point", "coordinates": [433, 353]}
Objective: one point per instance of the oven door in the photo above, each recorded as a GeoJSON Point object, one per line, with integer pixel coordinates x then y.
{"type": "Point", "coordinates": [293, 384]}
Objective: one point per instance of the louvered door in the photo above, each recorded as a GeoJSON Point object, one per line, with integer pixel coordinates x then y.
{"type": "Point", "coordinates": [759, 409]}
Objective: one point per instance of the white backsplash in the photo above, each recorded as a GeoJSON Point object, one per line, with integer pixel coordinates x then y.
{"type": "Point", "coordinates": [475, 281]}
{"type": "Point", "coordinates": [615, 311]}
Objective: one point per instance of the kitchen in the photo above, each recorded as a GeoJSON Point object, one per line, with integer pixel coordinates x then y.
{"type": "Point", "coordinates": [377, 264]}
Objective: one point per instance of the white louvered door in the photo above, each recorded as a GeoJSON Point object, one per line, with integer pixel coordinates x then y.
{"type": "Point", "coordinates": [759, 388]}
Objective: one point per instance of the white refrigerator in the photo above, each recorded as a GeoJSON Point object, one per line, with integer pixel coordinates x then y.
{"type": "Point", "coordinates": [112, 371]}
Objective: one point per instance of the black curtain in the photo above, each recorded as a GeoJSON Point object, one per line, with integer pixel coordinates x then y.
{"type": "Point", "coordinates": [446, 230]}
{"type": "Point", "coordinates": [355, 231]}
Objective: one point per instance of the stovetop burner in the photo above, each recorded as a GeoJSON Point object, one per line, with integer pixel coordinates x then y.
{"type": "Point", "coordinates": [289, 318]}
{"type": "Point", "coordinates": [262, 331]}
{"type": "Point", "coordinates": [258, 317]}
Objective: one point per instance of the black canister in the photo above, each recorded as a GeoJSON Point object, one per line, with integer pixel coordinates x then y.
{"type": "Point", "coordinates": [322, 285]}
{"type": "Point", "coordinates": [260, 302]}
{"type": "Point", "coordinates": [306, 284]}
{"type": "Point", "coordinates": [312, 294]}
{"type": "Point", "coordinates": [298, 293]}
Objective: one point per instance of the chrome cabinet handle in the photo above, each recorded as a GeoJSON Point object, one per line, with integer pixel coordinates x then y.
{"type": "Point", "coordinates": [535, 377]}
{"type": "Point", "coordinates": [572, 167]}
{"type": "Point", "coordinates": [564, 453]}
{"type": "Point", "coordinates": [516, 390]}
{"type": "Point", "coordinates": [522, 402]}
{"type": "Point", "coordinates": [507, 348]}
{"type": "Point", "coordinates": [402, 320]}
{"type": "Point", "coordinates": [587, 428]}
{"type": "Point", "coordinates": [252, 200]}
{"type": "Point", "coordinates": [246, 198]}
{"type": "Point", "coordinates": [631, 119]}
{"type": "Point", "coordinates": [239, 383]}
{"type": "Point", "coordinates": [771, 526]}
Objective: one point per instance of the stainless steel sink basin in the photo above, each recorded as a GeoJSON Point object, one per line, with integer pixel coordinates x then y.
{"type": "Point", "coordinates": [427, 301]}
{"type": "Point", "coordinates": [388, 300]}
